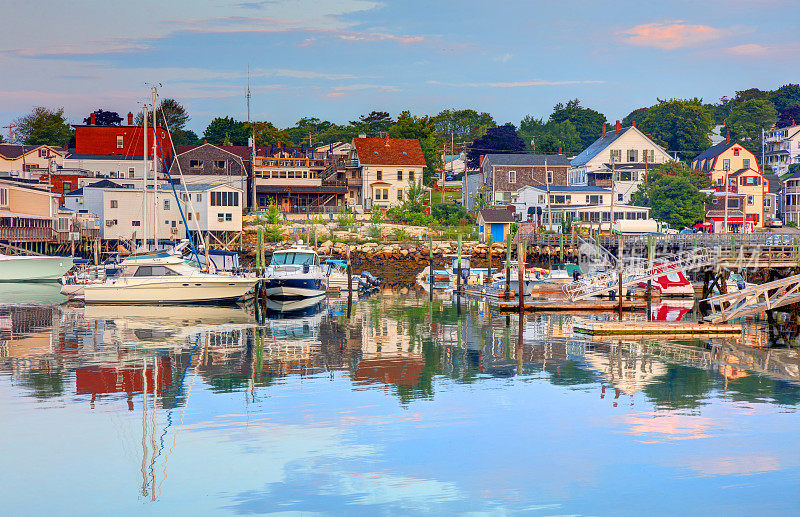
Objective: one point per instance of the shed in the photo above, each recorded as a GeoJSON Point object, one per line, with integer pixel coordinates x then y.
{"type": "Point", "coordinates": [496, 223]}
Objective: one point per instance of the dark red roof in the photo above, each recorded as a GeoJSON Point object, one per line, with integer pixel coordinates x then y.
{"type": "Point", "coordinates": [12, 151]}
{"type": "Point", "coordinates": [389, 151]}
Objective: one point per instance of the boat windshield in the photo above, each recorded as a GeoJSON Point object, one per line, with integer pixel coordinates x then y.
{"type": "Point", "coordinates": [294, 257]}
{"type": "Point", "coordinates": [154, 271]}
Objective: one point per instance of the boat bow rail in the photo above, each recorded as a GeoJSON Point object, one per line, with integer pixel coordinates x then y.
{"type": "Point", "coordinates": [636, 272]}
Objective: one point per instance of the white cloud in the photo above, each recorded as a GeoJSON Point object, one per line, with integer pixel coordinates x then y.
{"type": "Point", "coordinates": [505, 58]}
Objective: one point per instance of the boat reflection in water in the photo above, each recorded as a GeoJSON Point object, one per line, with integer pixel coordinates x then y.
{"type": "Point", "coordinates": [325, 407]}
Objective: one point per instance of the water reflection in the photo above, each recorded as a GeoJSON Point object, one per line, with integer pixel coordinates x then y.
{"type": "Point", "coordinates": [362, 407]}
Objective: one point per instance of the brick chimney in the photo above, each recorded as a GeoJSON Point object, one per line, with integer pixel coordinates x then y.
{"type": "Point", "coordinates": [793, 123]}
{"type": "Point", "coordinates": [618, 126]}
{"type": "Point", "coordinates": [205, 141]}
{"type": "Point", "coordinates": [386, 140]}
{"type": "Point", "coordinates": [634, 123]}
{"type": "Point", "coordinates": [130, 118]}
{"type": "Point", "coordinates": [92, 119]}
{"type": "Point", "coordinates": [728, 137]}
{"type": "Point", "coordinates": [560, 150]}
{"type": "Point", "coordinates": [604, 130]}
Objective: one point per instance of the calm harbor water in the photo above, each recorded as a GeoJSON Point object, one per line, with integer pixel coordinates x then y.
{"type": "Point", "coordinates": [398, 406]}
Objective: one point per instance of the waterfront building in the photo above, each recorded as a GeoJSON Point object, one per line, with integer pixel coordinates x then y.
{"type": "Point", "coordinates": [504, 174]}
{"type": "Point", "coordinates": [127, 140]}
{"type": "Point", "coordinates": [598, 217]}
{"type": "Point", "coordinates": [791, 199]}
{"type": "Point", "coordinates": [494, 223]}
{"type": "Point", "coordinates": [732, 160]}
{"type": "Point", "coordinates": [214, 208]}
{"type": "Point", "coordinates": [532, 200]}
{"type": "Point", "coordinates": [387, 167]}
{"type": "Point", "coordinates": [782, 148]}
{"type": "Point", "coordinates": [210, 164]}
{"type": "Point", "coordinates": [626, 152]}
{"type": "Point", "coordinates": [736, 216]}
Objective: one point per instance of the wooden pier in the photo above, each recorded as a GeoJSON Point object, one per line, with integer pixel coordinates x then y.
{"type": "Point", "coordinates": [567, 305]}
{"type": "Point", "coordinates": [650, 328]}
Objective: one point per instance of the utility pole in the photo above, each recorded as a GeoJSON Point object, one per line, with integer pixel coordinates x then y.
{"type": "Point", "coordinates": [727, 167]}
{"type": "Point", "coordinates": [155, 171]}
{"type": "Point", "coordinates": [252, 179]}
{"type": "Point", "coordinates": [613, 194]}
{"type": "Point", "coordinates": [10, 133]}
{"type": "Point", "coordinates": [144, 181]}
{"type": "Point", "coordinates": [549, 206]}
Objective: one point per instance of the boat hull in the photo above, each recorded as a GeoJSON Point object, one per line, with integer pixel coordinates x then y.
{"type": "Point", "coordinates": [168, 291]}
{"type": "Point", "coordinates": [33, 268]}
{"type": "Point", "coordinates": [293, 288]}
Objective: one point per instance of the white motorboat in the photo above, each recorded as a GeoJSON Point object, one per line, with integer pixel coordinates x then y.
{"type": "Point", "coordinates": [165, 278]}
{"type": "Point", "coordinates": [33, 268]}
{"type": "Point", "coordinates": [294, 273]}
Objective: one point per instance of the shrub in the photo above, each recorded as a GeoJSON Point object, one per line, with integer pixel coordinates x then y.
{"type": "Point", "coordinates": [273, 233]}
{"type": "Point", "coordinates": [273, 215]}
{"type": "Point", "coordinates": [346, 221]}
{"type": "Point", "coordinates": [400, 234]}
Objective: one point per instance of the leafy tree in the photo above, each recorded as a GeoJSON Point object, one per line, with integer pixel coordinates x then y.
{"type": "Point", "coordinates": [226, 131]}
{"type": "Point", "coordinates": [104, 118]}
{"type": "Point", "coordinates": [787, 115]}
{"type": "Point", "coordinates": [673, 194]}
{"type": "Point", "coordinates": [549, 137]}
{"type": "Point", "coordinates": [267, 134]}
{"type": "Point", "coordinates": [2, 139]}
{"type": "Point", "coordinates": [588, 122]}
{"type": "Point", "coordinates": [500, 139]}
{"type": "Point", "coordinates": [638, 115]}
{"type": "Point", "coordinates": [464, 125]}
{"type": "Point", "coordinates": [415, 197]}
{"type": "Point", "coordinates": [309, 126]}
{"type": "Point", "coordinates": [44, 126]}
{"type": "Point", "coordinates": [373, 123]}
{"type": "Point", "coordinates": [169, 109]}
{"type": "Point", "coordinates": [785, 96]}
{"type": "Point", "coordinates": [185, 137]}
{"type": "Point", "coordinates": [421, 128]}
{"type": "Point", "coordinates": [748, 119]}
{"type": "Point", "coordinates": [681, 125]}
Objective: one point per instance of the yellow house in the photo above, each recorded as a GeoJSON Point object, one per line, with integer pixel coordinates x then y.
{"type": "Point", "coordinates": [389, 166]}
{"type": "Point", "coordinates": [732, 160]}
{"type": "Point", "coordinates": [16, 159]}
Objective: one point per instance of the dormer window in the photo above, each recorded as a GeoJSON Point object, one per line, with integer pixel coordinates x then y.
{"type": "Point", "coordinates": [405, 153]}
{"type": "Point", "coordinates": [736, 151]}
{"type": "Point", "coordinates": [376, 153]}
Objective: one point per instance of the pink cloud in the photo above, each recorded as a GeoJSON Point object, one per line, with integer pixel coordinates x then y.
{"type": "Point", "coordinates": [758, 50]}
{"type": "Point", "coordinates": [671, 35]}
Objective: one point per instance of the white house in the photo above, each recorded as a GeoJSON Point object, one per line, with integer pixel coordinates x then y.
{"type": "Point", "coordinates": [532, 200]}
{"type": "Point", "coordinates": [782, 148]}
{"type": "Point", "coordinates": [627, 152]}
{"type": "Point", "coordinates": [127, 171]}
{"type": "Point", "coordinates": [214, 208]}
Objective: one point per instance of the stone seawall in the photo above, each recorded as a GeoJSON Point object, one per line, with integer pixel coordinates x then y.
{"type": "Point", "coordinates": [399, 264]}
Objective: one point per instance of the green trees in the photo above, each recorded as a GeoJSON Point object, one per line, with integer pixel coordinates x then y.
{"type": "Point", "coordinates": [748, 119]}
{"type": "Point", "coordinates": [464, 125]}
{"type": "Point", "coordinates": [226, 131]}
{"type": "Point", "coordinates": [373, 124]}
{"type": "Point", "coordinates": [549, 137]}
{"type": "Point", "coordinates": [786, 96]}
{"type": "Point", "coordinates": [672, 193]}
{"type": "Point", "coordinates": [44, 126]}
{"type": "Point", "coordinates": [587, 122]}
{"type": "Point", "coordinates": [637, 115]}
{"type": "Point", "coordinates": [681, 125]}
{"type": "Point", "coordinates": [422, 128]}
{"type": "Point", "coordinates": [104, 118]}
{"type": "Point", "coordinates": [169, 109]}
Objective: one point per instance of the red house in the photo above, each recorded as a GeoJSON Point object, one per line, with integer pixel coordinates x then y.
{"type": "Point", "coordinates": [91, 139]}
{"type": "Point", "coordinates": [61, 183]}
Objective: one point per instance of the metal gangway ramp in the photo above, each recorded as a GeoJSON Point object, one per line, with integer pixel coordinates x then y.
{"type": "Point", "coordinates": [753, 300]}
{"type": "Point", "coordinates": [634, 273]}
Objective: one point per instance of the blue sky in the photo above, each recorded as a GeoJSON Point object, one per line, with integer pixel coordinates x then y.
{"type": "Point", "coordinates": [338, 59]}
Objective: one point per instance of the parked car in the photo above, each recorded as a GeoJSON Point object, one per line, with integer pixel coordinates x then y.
{"type": "Point", "coordinates": [686, 231]}
{"type": "Point", "coordinates": [776, 223]}
{"type": "Point", "coordinates": [449, 177]}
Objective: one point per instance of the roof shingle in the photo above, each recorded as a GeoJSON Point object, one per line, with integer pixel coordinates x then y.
{"type": "Point", "coordinates": [389, 151]}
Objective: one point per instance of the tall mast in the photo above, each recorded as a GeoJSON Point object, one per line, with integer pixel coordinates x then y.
{"type": "Point", "coordinates": [155, 171]}
{"type": "Point", "coordinates": [252, 180]}
{"type": "Point", "coordinates": [144, 181]}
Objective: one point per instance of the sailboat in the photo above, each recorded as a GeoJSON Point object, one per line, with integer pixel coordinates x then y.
{"type": "Point", "coordinates": [151, 277]}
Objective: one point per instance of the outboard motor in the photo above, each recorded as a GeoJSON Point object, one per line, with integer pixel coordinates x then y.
{"type": "Point", "coordinates": [370, 278]}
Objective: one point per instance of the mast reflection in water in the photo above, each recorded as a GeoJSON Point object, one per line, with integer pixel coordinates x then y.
{"type": "Point", "coordinates": [394, 405]}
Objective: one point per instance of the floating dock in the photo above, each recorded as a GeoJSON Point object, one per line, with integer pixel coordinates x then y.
{"type": "Point", "coordinates": [648, 328]}
{"type": "Point", "coordinates": [567, 305]}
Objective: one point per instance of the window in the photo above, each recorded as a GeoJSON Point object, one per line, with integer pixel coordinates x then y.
{"type": "Point", "coordinates": [220, 218]}
{"type": "Point", "coordinates": [633, 155]}
{"type": "Point", "coordinates": [42, 153]}
{"type": "Point", "coordinates": [399, 194]}
{"type": "Point", "coordinates": [745, 164]}
{"type": "Point", "coordinates": [379, 175]}
{"type": "Point", "coordinates": [749, 200]}
{"type": "Point", "coordinates": [166, 223]}
{"type": "Point", "coordinates": [154, 271]}
{"type": "Point", "coordinates": [113, 203]}
{"type": "Point", "coordinates": [67, 186]}
{"type": "Point", "coordinates": [196, 164]}
{"type": "Point", "coordinates": [120, 144]}
{"type": "Point", "coordinates": [400, 175]}
{"type": "Point", "coordinates": [726, 165]}
{"type": "Point", "coordinates": [228, 217]}
{"type": "Point", "coordinates": [411, 175]}
{"type": "Point", "coordinates": [616, 155]}
{"type": "Point", "coordinates": [620, 197]}
{"type": "Point", "coordinates": [648, 155]}
{"type": "Point", "coordinates": [512, 176]}
{"type": "Point", "coordinates": [219, 164]}
{"type": "Point", "coordinates": [736, 151]}
{"type": "Point", "coordinates": [352, 193]}
{"type": "Point", "coordinates": [549, 176]}
{"type": "Point", "coordinates": [166, 204]}
{"type": "Point", "coordinates": [174, 224]}
{"type": "Point", "coordinates": [199, 198]}
{"type": "Point", "coordinates": [189, 216]}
